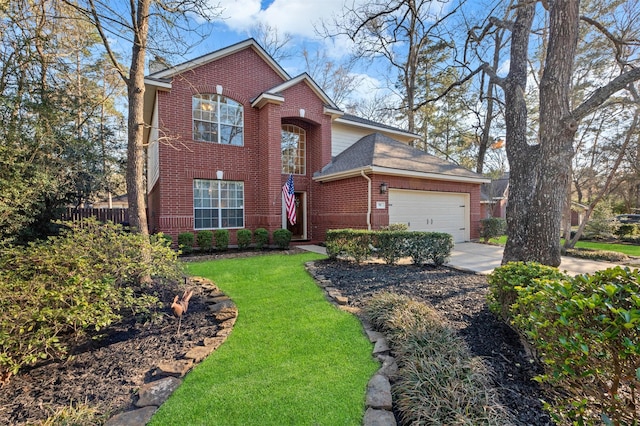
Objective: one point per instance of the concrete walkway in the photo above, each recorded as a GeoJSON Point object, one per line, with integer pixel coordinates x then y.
{"type": "Point", "coordinates": [483, 258]}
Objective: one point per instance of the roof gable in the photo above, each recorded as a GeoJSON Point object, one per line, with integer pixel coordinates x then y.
{"type": "Point", "coordinates": [304, 77]}
{"type": "Point", "coordinates": [381, 154]}
{"type": "Point", "coordinates": [221, 53]}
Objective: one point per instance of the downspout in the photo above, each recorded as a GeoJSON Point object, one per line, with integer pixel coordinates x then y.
{"type": "Point", "coordinates": [368, 199]}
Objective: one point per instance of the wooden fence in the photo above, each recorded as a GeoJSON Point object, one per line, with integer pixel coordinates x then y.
{"type": "Point", "coordinates": [103, 215]}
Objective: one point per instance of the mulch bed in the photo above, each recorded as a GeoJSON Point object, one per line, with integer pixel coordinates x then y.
{"type": "Point", "coordinates": [106, 373]}
{"type": "Point", "coordinates": [460, 296]}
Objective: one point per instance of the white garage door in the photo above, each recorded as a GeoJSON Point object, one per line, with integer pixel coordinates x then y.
{"type": "Point", "coordinates": [431, 211]}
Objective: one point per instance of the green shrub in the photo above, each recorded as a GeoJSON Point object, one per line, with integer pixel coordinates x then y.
{"type": "Point", "coordinates": [282, 238]}
{"type": "Point", "coordinates": [587, 331]}
{"type": "Point", "coordinates": [504, 280]}
{"type": "Point", "coordinates": [438, 381]}
{"type": "Point", "coordinates": [492, 227]}
{"type": "Point", "coordinates": [261, 236]}
{"type": "Point", "coordinates": [389, 245]}
{"type": "Point", "coordinates": [602, 224]}
{"type": "Point", "coordinates": [352, 243]}
{"type": "Point", "coordinates": [55, 291]}
{"type": "Point", "coordinates": [205, 240]}
{"type": "Point", "coordinates": [607, 255]}
{"type": "Point", "coordinates": [244, 238]}
{"type": "Point", "coordinates": [186, 240]}
{"type": "Point", "coordinates": [627, 230]}
{"type": "Point", "coordinates": [163, 238]}
{"type": "Point", "coordinates": [222, 239]}
{"type": "Point", "coordinates": [396, 227]}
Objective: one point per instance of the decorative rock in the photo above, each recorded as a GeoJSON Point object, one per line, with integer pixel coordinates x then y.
{"type": "Point", "coordinates": [330, 289]}
{"type": "Point", "coordinates": [334, 294]}
{"type": "Point", "coordinates": [224, 305]}
{"type": "Point", "coordinates": [138, 417]}
{"type": "Point", "coordinates": [227, 324]}
{"type": "Point", "coordinates": [217, 299]}
{"type": "Point", "coordinates": [351, 309]}
{"type": "Point", "coordinates": [176, 368]}
{"type": "Point", "coordinates": [389, 367]}
{"type": "Point", "coordinates": [341, 300]}
{"type": "Point", "coordinates": [373, 336]}
{"type": "Point", "coordinates": [324, 283]}
{"type": "Point", "coordinates": [378, 418]}
{"type": "Point", "coordinates": [155, 393]}
{"type": "Point", "coordinates": [225, 332]}
{"type": "Point", "coordinates": [198, 353]}
{"type": "Point", "coordinates": [379, 393]}
{"type": "Point", "coordinates": [381, 347]}
{"type": "Point", "coordinates": [214, 342]}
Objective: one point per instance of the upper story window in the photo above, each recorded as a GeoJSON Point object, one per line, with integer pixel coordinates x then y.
{"type": "Point", "coordinates": [217, 119]}
{"type": "Point", "coordinates": [294, 148]}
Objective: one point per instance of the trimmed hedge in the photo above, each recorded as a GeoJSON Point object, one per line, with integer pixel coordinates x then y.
{"type": "Point", "coordinates": [422, 247]}
{"type": "Point", "coordinates": [492, 227]}
{"type": "Point", "coordinates": [244, 238]}
{"type": "Point", "coordinates": [222, 239]}
{"type": "Point", "coordinates": [282, 238]}
{"type": "Point", "coordinates": [186, 240]}
{"type": "Point", "coordinates": [261, 236]}
{"type": "Point", "coordinates": [205, 240]}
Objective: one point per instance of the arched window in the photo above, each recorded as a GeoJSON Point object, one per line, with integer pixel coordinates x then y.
{"type": "Point", "coordinates": [217, 119]}
{"type": "Point", "coordinates": [294, 148]}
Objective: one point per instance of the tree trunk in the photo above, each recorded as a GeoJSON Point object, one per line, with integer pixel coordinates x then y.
{"type": "Point", "coordinates": [540, 173]}
{"type": "Point", "coordinates": [135, 148]}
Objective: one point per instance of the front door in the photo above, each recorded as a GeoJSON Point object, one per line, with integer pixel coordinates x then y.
{"type": "Point", "coordinates": [297, 230]}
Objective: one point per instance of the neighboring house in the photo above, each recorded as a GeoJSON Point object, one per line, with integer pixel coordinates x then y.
{"type": "Point", "coordinates": [228, 128]}
{"type": "Point", "coordinates": [119, 202]}
{"type": "Point", "coordinates": [493, 197]}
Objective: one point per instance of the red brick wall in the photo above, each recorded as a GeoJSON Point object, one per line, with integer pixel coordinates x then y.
{"type": "Point", "coordinates": [344, 202]}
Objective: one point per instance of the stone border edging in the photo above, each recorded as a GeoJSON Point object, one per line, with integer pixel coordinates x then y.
{"type": "Point", "coordinates": [378, 397]}
{"type": "Point", "coordinates": [168, 373]}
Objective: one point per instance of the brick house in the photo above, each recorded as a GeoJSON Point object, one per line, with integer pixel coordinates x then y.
{"type": "Point", "coordinates": [228, 128]}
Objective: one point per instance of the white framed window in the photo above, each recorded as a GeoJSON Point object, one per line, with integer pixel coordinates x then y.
{"type": "Point", "coordinates": [217, 119]}
{"type": "Point", "coordinates": [218, 204]}
{"type": "Point", "coordinates": [294, 148]}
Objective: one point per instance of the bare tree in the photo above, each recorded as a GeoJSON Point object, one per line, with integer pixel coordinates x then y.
{"type": "Point", "coordinates": [272, 41]}
{"type": "Point", "coordinates": [130, 23]}
{"type": "Point", "coordinates": [398, 31]}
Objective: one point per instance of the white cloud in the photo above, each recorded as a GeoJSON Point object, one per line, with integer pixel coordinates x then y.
{"type": "Point", "coordinates": [297, 17]}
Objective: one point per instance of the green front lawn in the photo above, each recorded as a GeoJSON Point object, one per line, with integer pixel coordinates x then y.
{"type": "Point", "coordinates": [292, 358]}
{"type": "Point", "coordinates": [628, 249]}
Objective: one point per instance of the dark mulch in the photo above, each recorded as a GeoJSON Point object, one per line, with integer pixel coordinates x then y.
{"type": "Point", "coordinates": [105, 374]}
{"type": "Point", "coordinates": [460, 296]}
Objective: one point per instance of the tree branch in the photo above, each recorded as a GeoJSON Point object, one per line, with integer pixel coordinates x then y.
{"type": "Point", "coordinates": [600, 95]}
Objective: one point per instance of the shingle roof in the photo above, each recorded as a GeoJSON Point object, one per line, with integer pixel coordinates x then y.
{"type": "Point", "coordinates": [360, 120]}
{"type": "Point", "coordinates": [378, 150]}
{"type": "Point", "coordinates": [497, 188]}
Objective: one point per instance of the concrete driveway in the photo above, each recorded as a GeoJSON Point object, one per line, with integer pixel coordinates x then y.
{"type": "Point", "coordinates": [483, 258]}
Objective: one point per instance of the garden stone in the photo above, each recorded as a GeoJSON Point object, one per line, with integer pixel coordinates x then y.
{"type": "Point", "coordinates": [214, 342]}
{"type": "Point", "coordinates": [373, 336]}
{"type": "Point", "coordinates": [378, 418]}
{"type": "Point", "coordinates": [175, 368]}
{"type": "Point", "coordinates": [379, 393]}
{"type": "Point", "coordinates": [389, 367]}
{"type": "Point", "coordinates": [341, 300]}
{"type": "Point", "coordinates": [381, 347]}
{"type": "Point", "coordinates": [138, 417]}
{"type": "Point", "coordinates": [198, 353]}
{"type": "Point", "coordinates": [155, 393]}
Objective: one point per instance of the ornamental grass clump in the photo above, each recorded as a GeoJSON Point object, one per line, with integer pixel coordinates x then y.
{"type": "Point", "coordinates": [438, 381]}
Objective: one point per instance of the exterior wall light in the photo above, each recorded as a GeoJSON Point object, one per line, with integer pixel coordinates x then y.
{"type": "Point", "coordinates": [383, 188]}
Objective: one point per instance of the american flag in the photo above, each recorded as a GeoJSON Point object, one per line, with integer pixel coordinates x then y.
{"type": "Point", "coordinates": [290, 200]}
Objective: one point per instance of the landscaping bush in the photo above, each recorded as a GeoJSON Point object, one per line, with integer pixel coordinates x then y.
{"type": "Point", "coordinates": [163, 238]}
{"type": "Point", "coordinates": [389, 245]}
{"type": "Point", "coordinates": [438, 382]}
{"type": "Point", "coordinates": [222, 239]}
{"type": "Point", "coordinates": [353, 243]}
{"type": "Point", "coordinates": [492, 227]}
{"type": "Point", "coordinates": [627, 230]}
{"type": "Point", "coordinates": [606, 255]}
{"type": "Point", "coordinates": [282, 238]}
{"type": "Point", "coordinates": [186, 240]}
{"type": "Point", "coordinates": [261, 236]}
{"type": "Point", "coordinates": [602, 224]}
{"type": "Point", "coordinates": [587, 331]}
{"type": "Point", "coordinates": [504, 280]}
{"type": "Point", "coordinates": [244, 238]}
{"type": "Point", "coordinates": [85, 279]}
{"type": "Point", "coordinates": [396, 227]}
{"type": "Point", "coordinates": [205, 240]}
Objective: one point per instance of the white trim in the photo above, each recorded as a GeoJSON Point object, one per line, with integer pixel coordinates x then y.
{"type": "Point", "coordinates": [397, 172]}
{"type": "Point", "coordinates": [312, 84]}
{"type": "Point", "coordinates": [381, 129]}
{"type": "Point", "coordinates": [221, 54]}
{"type": "Point", "coordinates": [267, 98]}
